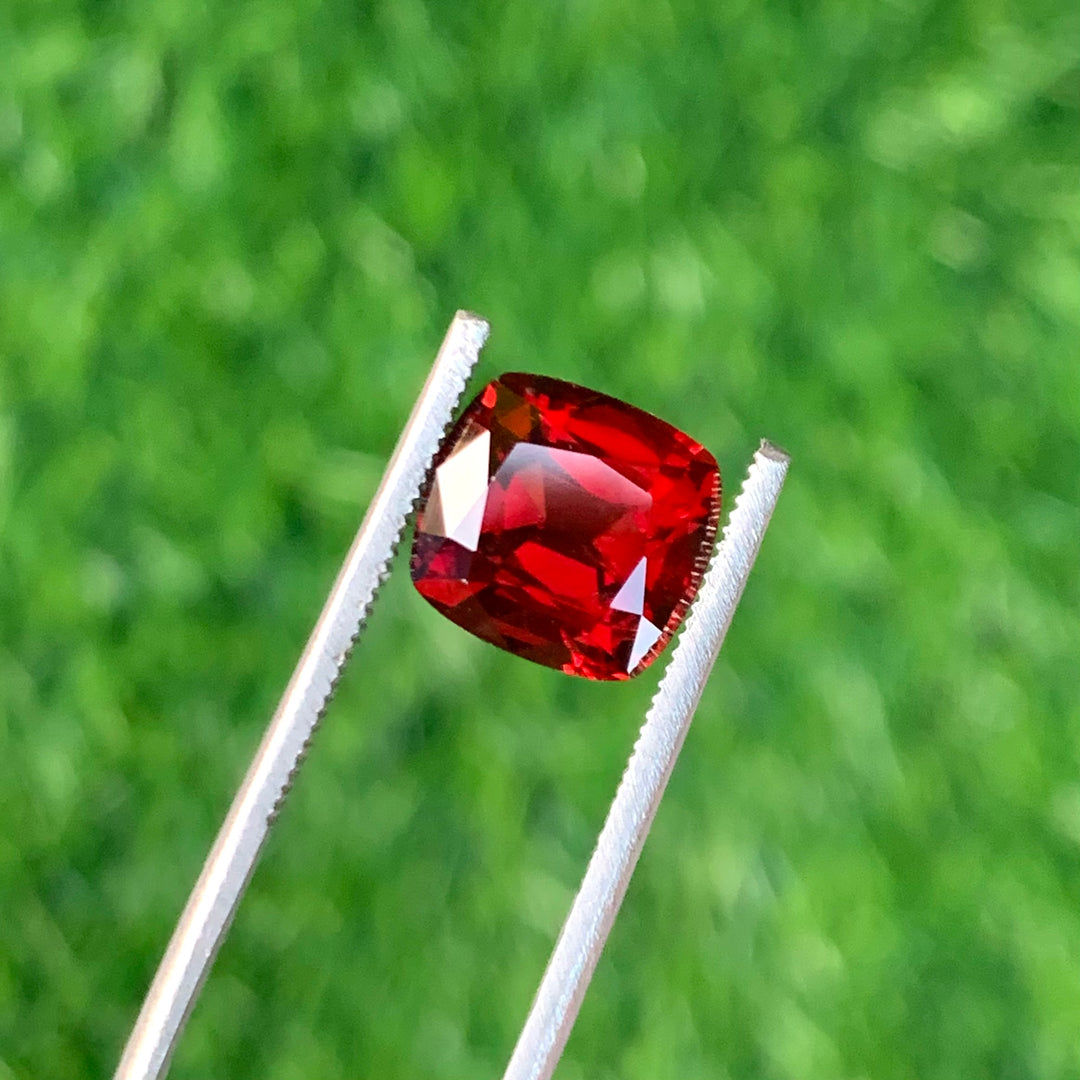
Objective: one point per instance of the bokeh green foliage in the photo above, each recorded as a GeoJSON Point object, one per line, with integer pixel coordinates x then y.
{"type": "Point", "coordinates": [231, 236]}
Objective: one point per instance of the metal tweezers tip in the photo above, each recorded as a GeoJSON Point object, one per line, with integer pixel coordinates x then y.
{"type": "Point", "coordinates": [774, 452]}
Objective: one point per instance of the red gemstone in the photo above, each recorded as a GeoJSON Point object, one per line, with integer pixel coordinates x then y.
{"type": "Point", "coordinates": [566, 526]}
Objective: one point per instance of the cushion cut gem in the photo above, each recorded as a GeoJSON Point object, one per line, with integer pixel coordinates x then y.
{"type": "Point", "coordinates": [566, 526]}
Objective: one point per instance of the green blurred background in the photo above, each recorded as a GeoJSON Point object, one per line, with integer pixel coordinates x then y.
{"type": "Point", "coordinates": [231, 237]}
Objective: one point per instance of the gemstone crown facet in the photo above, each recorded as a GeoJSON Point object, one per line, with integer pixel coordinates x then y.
{"type": "Point", "coordinates": [566, 526]}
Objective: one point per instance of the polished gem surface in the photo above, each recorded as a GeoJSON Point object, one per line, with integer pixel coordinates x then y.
{"type": "Point", "coordinates": [566, 526]}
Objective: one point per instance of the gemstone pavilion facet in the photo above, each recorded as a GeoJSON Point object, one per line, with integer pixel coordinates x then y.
{"type": "Point", "coordinates": [566, 526]}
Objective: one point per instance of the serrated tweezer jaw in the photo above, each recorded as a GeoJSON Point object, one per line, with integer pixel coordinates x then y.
{"type": "Point", "coordinates": [228, 868]}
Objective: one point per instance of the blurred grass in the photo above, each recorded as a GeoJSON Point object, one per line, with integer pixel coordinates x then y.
{"type": "Point", "coordinates": [231, 237]}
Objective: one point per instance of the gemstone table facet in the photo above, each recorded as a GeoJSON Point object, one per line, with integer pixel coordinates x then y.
{"type": "Point", "coordinates": [566, 526]}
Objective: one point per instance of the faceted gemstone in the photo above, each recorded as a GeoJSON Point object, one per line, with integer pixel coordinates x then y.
{"type": "Point", "coordinates": [566, 526]}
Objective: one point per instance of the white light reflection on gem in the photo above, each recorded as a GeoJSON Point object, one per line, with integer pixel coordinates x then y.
{"type": "Point", "coordinates": [455, 508]}
{"type": "Point", "coordinates": [646, 637]}
{"type": "Point", "coordinates": [631, 597]}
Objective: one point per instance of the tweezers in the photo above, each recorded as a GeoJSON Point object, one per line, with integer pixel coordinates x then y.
{"type": "Point", "coordinates": [213, 902]}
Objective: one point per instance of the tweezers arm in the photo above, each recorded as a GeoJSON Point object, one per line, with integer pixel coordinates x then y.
{"type": "Point", "coordinates": [593, 912]}
{"type": "Point", "coordinates": [228, 868]}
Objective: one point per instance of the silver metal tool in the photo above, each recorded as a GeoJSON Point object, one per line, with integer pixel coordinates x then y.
{"type": "Point", "coordinates": [231, 861]}
{"type": "Point", "coordinates": [213, 901]}
{"type": "Point", "coordinates": [593, 911]}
